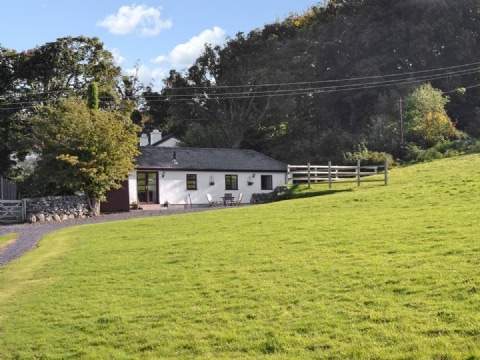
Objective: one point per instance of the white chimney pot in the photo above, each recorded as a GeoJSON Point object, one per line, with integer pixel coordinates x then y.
{"type": "Point", "coordinates": [155, 136]}
{"type": "Point", "coordinates": [143, 140]}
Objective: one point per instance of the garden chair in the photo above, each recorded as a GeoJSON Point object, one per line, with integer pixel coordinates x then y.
{"type": "Point", "coordinates": [210, 200]}
{"type": "Point", "coordinates": [239, 200]}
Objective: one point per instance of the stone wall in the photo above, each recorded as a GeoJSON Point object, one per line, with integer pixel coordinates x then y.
{"type": "Point", "coordinates": [57, 208]}
{"type": "Point", "coordinates": [279, 193]}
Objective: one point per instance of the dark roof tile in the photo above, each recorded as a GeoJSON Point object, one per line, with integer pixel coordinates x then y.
{"type": "Point", "coordinates": [207, 159]}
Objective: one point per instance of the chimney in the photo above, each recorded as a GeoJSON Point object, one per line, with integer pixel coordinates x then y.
{"type": "Point", "coordinates": [155, 136]}
{"type": "Point", "coordinates": [143, 140]}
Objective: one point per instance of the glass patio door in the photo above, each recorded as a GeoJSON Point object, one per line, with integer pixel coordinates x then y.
{"type": "Point", "coordinates": [147, 187]}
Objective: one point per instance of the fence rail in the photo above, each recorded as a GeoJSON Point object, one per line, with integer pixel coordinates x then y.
{"type": "Point", "coordinates": [332, 173]}
{"type": "Point", "coordinates": [12, 211]}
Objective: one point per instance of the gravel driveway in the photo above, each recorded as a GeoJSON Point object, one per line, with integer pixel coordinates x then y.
{"type": "Point", "coordinates": [30, 234]}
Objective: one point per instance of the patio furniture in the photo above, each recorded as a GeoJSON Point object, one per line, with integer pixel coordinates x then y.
{"type": "Point", "coordinates": [210, 200]}
{"type": "Point", "coordinates": [228, 199]}
{"type": "Point", "coordinates": [239, 200]}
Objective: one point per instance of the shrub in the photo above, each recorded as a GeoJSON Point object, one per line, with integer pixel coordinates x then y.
{"type": "Point", "coordinates": [441, 150]}
{"type": "Point", "coordinates": [367, 157]}
{"type": "Point", "coordinates": [135, 206]}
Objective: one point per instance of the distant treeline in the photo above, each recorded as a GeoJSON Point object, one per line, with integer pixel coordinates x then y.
{"type": "Point", "coordinates": [330, 81]}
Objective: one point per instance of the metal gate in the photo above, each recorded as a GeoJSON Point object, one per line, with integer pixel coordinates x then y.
{"type": "Point", "coordinates": [12, 211]}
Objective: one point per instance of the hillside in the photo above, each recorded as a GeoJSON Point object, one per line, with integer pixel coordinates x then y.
{"type": "Point", "coordinates": [314, 86]}
{"type": "Point", "coordinates": [370, 272]}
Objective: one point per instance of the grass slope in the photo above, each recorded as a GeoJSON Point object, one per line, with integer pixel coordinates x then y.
{"type": "Point", "coordinates": [373, 273]}
{"type": "Point", "coordinates": [5, 240]}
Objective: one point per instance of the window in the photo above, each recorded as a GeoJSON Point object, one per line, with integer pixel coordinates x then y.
{"type": "Point", "coordinates": [231, 182]}
{"type": "Point", "coordinates": [191, 181]}
{"type": "Point", "coordinates": [267, 182]}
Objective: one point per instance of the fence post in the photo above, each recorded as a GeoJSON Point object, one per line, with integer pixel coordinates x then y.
{"type": "Point", "coordinates": [24, 210]}
{"type": "Point", "coordinates": [386, 171]}
{"type": "Point", "coordinates": [309, 175]}
{"type": "Point", "coordinates": [329, 174]}
{"type": "Point", "coordinates": [358, 172]}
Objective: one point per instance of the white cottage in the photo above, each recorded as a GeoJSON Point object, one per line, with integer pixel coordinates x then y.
{"type": "Point", "coordinates": [184, 176]}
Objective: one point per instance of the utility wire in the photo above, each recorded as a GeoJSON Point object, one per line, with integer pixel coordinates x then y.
{"type": "Point", "coordinates": [413, 73]}
{"type": "Point", "coordinates": [291, 88]}
{"type": "Point", "coordinates": [248, 94]}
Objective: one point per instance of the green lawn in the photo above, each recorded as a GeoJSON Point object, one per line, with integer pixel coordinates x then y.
{"type": "Point", "coordinates": [376, 272]}
{"type": "Point", "coordinates": [5, 240]}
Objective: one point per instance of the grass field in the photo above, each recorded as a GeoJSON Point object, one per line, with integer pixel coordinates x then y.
{"type": "Point", "coordinates": [375, 272]}
{"type": "Point", "coordinates": [6, 239]}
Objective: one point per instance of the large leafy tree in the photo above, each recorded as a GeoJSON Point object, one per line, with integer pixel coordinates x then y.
{"type": "Point", "coordinates": [45, 74]}
{"type": "Point", "coordinates": [64, 66]}
{"type": "Point", "coordinates": [426, 119]}
{"type": "Point", "coordinates": [154, 113]}
{"type": "Point", "coordinates": [81, 150]}
{"type": "Point", "coordinates": [6, 112]}
{"type": "Point", "coordinates": [315, 85]}
{"type": "Point", "coordinates": [226, 93]}
{"type": "Point", "coordinates": [375, 48]}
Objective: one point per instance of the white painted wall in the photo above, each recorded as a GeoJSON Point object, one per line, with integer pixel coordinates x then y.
{"type": "Point", "coordinates": [132, 187]}
{"type": "Point", "coordinates": [173, 186]}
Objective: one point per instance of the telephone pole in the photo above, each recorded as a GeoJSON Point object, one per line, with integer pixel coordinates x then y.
{"type": "Point", "coordinates": [402, 146]}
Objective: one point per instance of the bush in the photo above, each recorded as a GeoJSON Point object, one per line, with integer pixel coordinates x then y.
{"type": "Point", "coordinates": [135, 206]}
{"type": "Point", "coordinates": [367, 157]}
{"type": "Point", "coordinates": [441, 150]}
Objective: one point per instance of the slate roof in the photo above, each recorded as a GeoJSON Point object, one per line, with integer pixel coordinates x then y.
{"type": "Point", "coordinates": [214, 159]}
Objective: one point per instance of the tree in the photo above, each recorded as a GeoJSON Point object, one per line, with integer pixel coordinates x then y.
{"type": "Point", "coordinates": [6, 111]}
{"type": "Point", "coordinates": [225, 89]}
{"type": "Point", "coordinates": [66, 65]}
{"type": "Point", "coordinates": [309, 87]}
{"type": "Point", "coordinates": [92, 96]}
{"type": "Point", "coordinates": [425, 117]}
{"type": "Point", "coordinates": [155, 113]}
{"type": "Point", "coordinates": [45, 74]}
{"type": "Point", "coordinates": [82, 150]}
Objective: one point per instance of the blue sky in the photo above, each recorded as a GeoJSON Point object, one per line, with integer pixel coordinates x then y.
{"type": "Point", "coordinates": [158, 35]}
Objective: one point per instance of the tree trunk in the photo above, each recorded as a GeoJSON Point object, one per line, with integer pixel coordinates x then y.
{"type": "Point", "coordinates": [94, 205]}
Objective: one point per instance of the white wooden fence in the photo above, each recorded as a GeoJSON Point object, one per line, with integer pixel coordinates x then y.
{"type": "Point", "coordinates": [329, 173]}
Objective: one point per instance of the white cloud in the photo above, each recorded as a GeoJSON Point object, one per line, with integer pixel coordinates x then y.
{"type": "Point", "coordinates": [185, 54]}
{"type": "Point", "coordinates": [148, 76]}
{"type": "Point", "coordinates": [119, 59]}
{"type": "Point", "coordinates": [128, 19]}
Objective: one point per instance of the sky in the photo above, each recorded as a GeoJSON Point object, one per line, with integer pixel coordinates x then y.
{"type": "Point", "coordinates": [153, 35]}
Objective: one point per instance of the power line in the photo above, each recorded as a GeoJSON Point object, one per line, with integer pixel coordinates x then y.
{"type": "Point", "coordinates": [248, 94]}
{"type": "Point", "coordinates": [291, 88]}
